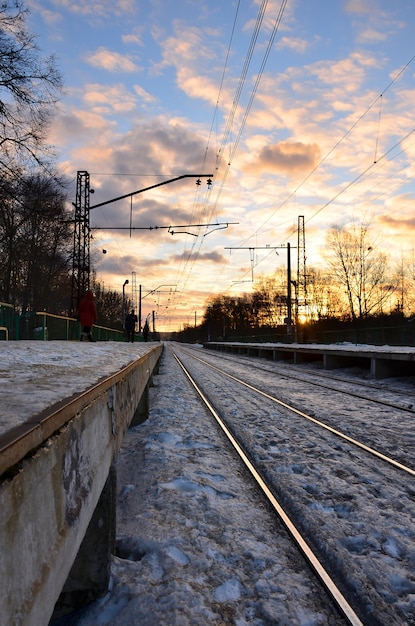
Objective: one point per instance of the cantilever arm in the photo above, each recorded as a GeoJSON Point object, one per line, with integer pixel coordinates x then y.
{"type": "Point", "coordinates": [164, 182]}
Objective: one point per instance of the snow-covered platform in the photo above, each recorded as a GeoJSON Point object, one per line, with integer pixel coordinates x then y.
{"type": "Point", "coordinates": [380, 361]}
{"type": "Point", "coordinates": [64, 410]}
{"type": "Point", "coordinates": [34, 375]}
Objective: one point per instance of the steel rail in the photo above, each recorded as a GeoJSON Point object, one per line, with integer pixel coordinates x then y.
{"type": "Point", "coordinates": [325, 375]}
{"type": "Point", "coordinates": [334, 431]}
{"type": "Point", "coordinates": [341, 603]}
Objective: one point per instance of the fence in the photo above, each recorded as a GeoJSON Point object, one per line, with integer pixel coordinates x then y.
{"type": "Point", "coordinates": [382, 335]}
{"type": "Point", "coordinates": [403, 335]}
{"type": "Point", "coordinates": [8, 322]}
{"type": "Point", "coordinates": [46, 326]}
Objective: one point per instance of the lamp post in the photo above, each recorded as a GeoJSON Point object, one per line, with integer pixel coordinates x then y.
{"type": "Point", "coordinates": [123, 302]}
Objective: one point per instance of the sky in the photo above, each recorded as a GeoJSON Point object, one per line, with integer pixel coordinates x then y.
{"type": "Point", "coordinates": [296, 110]}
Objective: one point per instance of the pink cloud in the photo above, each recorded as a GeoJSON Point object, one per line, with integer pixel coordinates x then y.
{"type": "Point", "coordinates": [111, 61]}
{"type": "Point", "coordinates": [285, 157]}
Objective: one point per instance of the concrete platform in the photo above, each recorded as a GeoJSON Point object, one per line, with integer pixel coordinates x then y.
{"type": "Point", "coordinates": [379, 361]}
{"type": "Point", "coordinates": [57, 481]}
{"type": "Point", "coordinates": [34, 375]}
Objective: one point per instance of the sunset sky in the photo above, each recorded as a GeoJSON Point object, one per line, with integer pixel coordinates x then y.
{"type": "Point", "coordinates": [295, 107]}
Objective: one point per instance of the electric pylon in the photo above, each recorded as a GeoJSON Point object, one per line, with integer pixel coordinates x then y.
{"type": "Point", "coordinates": [81, 242]}
{"type": "Point", "coordinates": [301, 265]}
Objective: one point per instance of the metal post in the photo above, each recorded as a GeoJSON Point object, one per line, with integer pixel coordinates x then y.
{"type": "Point", "coordinates": [289, 313]}
{"type": "Point", "coordinates": [139, 310]}
{"type": "Point", "coordinates": [123, 303]}
{"type": "Point", "coordinates": [81, 241]}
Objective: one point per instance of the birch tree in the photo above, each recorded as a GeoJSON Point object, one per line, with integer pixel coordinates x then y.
{"type": "Point", "coordinates": [359, 267]}
{"type": "Point", "coordinates": [29, 88]}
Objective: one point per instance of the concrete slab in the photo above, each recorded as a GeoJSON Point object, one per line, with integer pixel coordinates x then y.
{"type": "Point", "coordinates": [55, 470]}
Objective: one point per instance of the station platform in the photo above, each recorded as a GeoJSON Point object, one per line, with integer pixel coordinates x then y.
{"type": "Point", "coordinates": [379, 361]}
{"type": "Point", "coordinates": [65, 408]}
{"type": "Point", "coordinates": [35, 375]}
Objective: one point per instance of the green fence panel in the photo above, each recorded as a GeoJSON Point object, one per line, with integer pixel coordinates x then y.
{"type": "Point", "coordinates": [8, 322]}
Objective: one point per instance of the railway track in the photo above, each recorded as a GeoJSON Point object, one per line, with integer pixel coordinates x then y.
{"type": "Point", "coordinates": [376, 415]}
{"type": "Point", "coordinates": [351, 503]}
{"type": "Point", "coordinates": [393, 396]}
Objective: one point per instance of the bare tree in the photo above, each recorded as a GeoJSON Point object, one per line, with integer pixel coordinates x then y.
{"type": "Point", "coordinates": [269, 298]}
{"type": "Point", "coordinates": [226, 314]}
{"type": "Point", "coordinates": [405, 282]}
{"type": "Point", "coordinates": [9, 224]}
{"type": "Point", "coordinates": [35, 243]}
{"type": "Point", "coordinates": [29, 87]}
{"type": "Point", "coordinates": [109, 305]}
{"type": "Point", "coordinates": [324, 296]}
{"type": "Point", "coordinates": [359, 268]}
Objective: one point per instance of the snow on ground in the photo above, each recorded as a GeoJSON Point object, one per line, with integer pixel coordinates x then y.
{"type": "Point", "coordinates": [36, 374]}
{"type": "Point", "coordinates": [347, 346]}
{"type": "Point", "coordinates": [195, 545]}
{"type": "Point", "coordinates": [352, 509]}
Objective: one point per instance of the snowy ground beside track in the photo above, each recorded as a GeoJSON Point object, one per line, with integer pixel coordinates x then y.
{"type": "Point", "coordinates": [195, 545]}
{"type": "Point", "coordinates": [191, 548]}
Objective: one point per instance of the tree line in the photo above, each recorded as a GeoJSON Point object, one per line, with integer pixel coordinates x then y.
{"type": "Point", "coordinates": [358, 286]}
{"type": "Point", "coordinates": [36, 226]}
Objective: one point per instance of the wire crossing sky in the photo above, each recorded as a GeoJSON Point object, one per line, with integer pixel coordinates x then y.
{"type": "Point", "coordinates": [297, 107]}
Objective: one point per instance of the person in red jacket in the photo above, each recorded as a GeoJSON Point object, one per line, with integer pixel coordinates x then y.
{"type": "Point", "coordinates": [87, 315]}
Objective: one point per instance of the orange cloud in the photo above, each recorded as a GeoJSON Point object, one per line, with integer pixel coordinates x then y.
{"type": "Point", "coordinates": [213, 257]}
{"type": "Point", "coordinates": [98, 8]}
{"type": "Point", "coordinates": [293, 43]}
{"type": "Point", "coordinates": [111, 61]}
{"type": "Point", "coordinates": [398, 224]}
{"type": "Point", "coordinates": [288, 157]}
{"type": "Point", "coordinates": [361, 8]}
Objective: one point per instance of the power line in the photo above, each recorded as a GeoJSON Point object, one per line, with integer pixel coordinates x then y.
{"type": "Point", "coordinates": [333, 148]}
{"type": "Point", "coordinates": [253, 93]}
{"type": "Point", "coordinates": [359, 176]}
{"type": "Point", "coordinates": [229, 123]}
{"type": "Point", "coordinates": [242, 79]}
{"type": "Point", "coordinates": [193, 246]}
